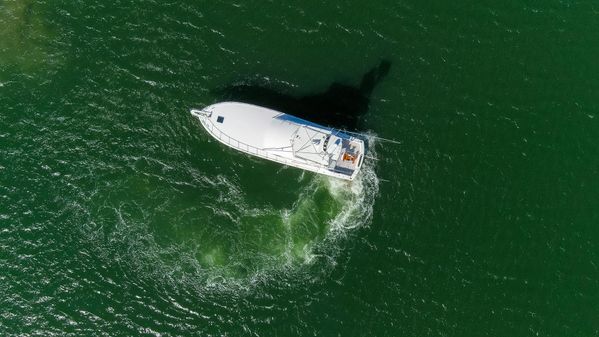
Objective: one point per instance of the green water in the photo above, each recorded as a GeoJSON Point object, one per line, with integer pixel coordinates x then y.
{"type": "Point", "coordinates": [120, 216]}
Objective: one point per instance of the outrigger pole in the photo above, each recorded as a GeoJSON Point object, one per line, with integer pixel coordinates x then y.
{"type": "Point", "coordinates": [393, 141]}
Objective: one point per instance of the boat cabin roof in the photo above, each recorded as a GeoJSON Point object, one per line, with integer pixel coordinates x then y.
{"type": "Point", "coordinates": [269, 129]}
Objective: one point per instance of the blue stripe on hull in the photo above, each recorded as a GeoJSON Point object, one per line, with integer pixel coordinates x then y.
{"type": "Point", "coordinates": [343, 170]}
{"type": "Point", "coordinates": [299, 121]}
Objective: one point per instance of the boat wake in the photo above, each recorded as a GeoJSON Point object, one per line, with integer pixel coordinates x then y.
{"type": "Point", "coordinates": [211, 235]}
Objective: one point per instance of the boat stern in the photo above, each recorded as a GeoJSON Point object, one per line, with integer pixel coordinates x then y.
{"type": "Point", "coordinates": [350, 158]}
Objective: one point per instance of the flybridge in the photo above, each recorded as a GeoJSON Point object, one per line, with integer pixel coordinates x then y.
{"type": "Point", "coordinates": [283, 138]}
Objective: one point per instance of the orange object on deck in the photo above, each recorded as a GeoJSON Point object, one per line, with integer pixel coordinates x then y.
{"type": "Point", "coordinates": [347, 157]}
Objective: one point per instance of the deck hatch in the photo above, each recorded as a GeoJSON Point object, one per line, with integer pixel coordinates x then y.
{"type": "Point", "coordinates": [220, 119]}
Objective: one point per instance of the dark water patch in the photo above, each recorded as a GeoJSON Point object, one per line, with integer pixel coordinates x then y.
{"type": "Point", "coordinates": [341, 105]}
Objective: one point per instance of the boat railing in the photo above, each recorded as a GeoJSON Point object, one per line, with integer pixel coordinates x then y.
{"type": "Point", "coordinates": [200, 113]}
{"type": "Point", "coordinates": [216, 132]}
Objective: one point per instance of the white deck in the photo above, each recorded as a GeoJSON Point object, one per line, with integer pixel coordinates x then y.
{"type": "Point", "coordinates": [283, 138]}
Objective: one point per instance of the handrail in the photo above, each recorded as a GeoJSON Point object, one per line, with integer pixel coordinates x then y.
{"type": "Point", "coordinates": [248, 148]}
{"type": "Point", "coordinates": [198, 113]}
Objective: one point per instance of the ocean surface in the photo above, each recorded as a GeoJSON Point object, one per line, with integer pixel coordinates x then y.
{"type": "Point", "coordinates": [120, 216]}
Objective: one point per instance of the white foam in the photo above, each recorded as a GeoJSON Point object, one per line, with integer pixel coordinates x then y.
{"type": "Point", "coordinates": [131, 241]}
{"type": "Point", "coordinates": [360, 195]}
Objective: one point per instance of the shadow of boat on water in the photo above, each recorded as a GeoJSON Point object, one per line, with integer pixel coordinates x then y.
{"type": "Point", "coordinates": [340, 106]}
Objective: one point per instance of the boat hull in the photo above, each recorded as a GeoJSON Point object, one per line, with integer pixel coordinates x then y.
{"type": "Point", "coordinates": [283, 138]}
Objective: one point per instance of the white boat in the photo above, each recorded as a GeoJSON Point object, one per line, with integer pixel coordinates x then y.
{"type": "Point", "coordinates": [283, 138]}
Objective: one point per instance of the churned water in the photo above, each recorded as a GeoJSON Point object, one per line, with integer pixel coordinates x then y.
{"type": "Point", "coordinates": [120, 216]}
